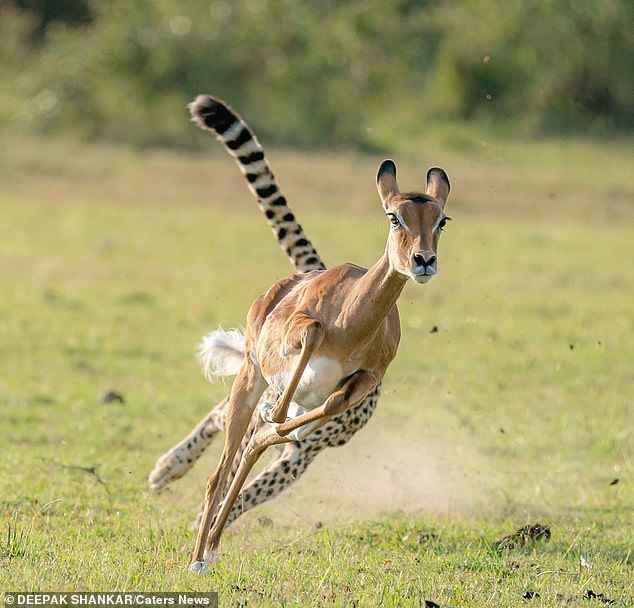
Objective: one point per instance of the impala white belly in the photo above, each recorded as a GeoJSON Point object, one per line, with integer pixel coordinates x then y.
{"type": "Point", "coordinates": [318, 381]}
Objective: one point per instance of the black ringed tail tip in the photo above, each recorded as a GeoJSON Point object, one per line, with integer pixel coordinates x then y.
{"type": "Point", "coordinates": [212, 113]}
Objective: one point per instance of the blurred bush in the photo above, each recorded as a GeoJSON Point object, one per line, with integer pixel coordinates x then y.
{"type": "Point", "coordinates": [359, 73]}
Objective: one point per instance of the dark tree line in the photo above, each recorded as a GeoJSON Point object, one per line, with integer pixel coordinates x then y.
{"type": "Point", "coordinates": [353, 73]}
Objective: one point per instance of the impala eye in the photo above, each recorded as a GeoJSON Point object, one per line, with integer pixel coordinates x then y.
{"type": "Point", "coordinates": [394, 220]}
{"type": "Point", "coordinates": [442, 223]}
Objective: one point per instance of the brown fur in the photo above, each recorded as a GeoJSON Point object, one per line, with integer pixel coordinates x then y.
{"type": "Point", "coordinates": [347, 315]}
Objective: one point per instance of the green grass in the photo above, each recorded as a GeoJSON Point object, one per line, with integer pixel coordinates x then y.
{"type": "Point", "coordinates": [517, 410]}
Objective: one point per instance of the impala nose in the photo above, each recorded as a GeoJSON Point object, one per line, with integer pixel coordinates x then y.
{"type": "Point", "coordinates": [421, 260]}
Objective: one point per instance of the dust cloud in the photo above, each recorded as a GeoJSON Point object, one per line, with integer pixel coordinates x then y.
{"type": "Point", "coordinates": [381, 471]}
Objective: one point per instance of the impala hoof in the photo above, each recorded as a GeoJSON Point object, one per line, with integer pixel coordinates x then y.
{"type": "Point", "coordinates": [199, 568]}
{"type": "Point", "coordinates": [266, 409]}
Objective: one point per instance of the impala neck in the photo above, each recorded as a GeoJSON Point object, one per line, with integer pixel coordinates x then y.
{"type": "Point", "coordinates": [372, 298]}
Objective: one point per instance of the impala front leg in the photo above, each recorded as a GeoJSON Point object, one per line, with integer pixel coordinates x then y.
{"type": "Point", "coordinates": [308, 334]}
{"type": "Point", "coordinates": [352, 391]}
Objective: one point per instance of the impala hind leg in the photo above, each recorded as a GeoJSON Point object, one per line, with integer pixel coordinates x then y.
{"type": "Point", "coordinates": [245, 393]}
{"type": "Point", "coordinates": [296, 456]}
{"type": "Point", "coordinates": [287, 467]}
{"type": "Point", "coordinates": [263, 438]}
{"type": "Point", "coordinates": [352, 391]}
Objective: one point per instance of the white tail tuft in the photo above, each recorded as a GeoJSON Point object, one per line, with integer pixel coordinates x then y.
{"type": "Point", "coordinates": [221, 353]}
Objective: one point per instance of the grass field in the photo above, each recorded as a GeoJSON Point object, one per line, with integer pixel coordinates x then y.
{"type": "Point", "coordinates": [518, 410]}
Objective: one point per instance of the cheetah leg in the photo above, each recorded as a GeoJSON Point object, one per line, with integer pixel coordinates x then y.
{"type": "Point", "coordinates": [340, 429]}
{"type": "Point", "coordinates": [181, 458]}
{"type": "Point", "coordinates": [295, 457]}
{"type": "Point", "coordinates": [291, 463]}
{"type": "Point", "coordinates": [352, 391]}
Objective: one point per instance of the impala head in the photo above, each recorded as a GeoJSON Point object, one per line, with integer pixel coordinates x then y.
{"type": "Point", "coordinates": [416, 221]}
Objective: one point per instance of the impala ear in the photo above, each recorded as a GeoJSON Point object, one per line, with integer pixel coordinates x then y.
{"type": "Point", "coordinates": [386, 181]}
{"type": "Point", "coordinates": [438, 184]}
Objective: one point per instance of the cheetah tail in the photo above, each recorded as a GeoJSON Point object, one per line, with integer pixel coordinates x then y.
{"type": "Point", "coordinates": [232, 131]}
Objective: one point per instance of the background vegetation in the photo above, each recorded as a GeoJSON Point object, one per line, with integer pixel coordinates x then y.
{"type": "Point", "coordinates": [517, 409]}
{"type": "Point", "coordinates": [353, 74]}
{"type": "Point", "coordinates": [511, 401]}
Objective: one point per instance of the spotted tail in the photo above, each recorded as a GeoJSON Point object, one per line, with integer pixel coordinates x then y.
{"type": "Point", "coordinates": [214, 115]}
